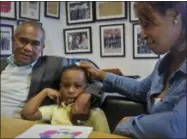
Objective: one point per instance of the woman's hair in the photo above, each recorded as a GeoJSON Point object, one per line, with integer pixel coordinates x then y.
{"type": "Point", "coordinates": [77, 68]}
{"type": "Point", "coordinates": [144, 9]}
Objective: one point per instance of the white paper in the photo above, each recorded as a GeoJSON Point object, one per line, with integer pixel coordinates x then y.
{"type": "Point", "coordinates": [56, 131]}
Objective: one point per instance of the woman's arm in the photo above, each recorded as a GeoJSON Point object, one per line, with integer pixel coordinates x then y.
{"type": "Point", "coordinates": [31, 109]}
{"type": "Point", "coordinates": [119, 84]}
{"type": "Point", "coordinates": [168, 124]}
{"type": "Point", "coordinates": [131, 88]}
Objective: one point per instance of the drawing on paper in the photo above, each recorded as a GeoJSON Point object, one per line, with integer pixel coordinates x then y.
{"type": "Point", "coordinates": [62, 133]}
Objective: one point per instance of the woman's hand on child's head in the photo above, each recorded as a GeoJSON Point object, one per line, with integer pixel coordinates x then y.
{"type": "Point", "coordinates": [94, 72]}
{"type": "Point", "coordinates": [54, 95]}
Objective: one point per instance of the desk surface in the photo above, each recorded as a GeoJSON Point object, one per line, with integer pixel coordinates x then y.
{"type": "Point", "coordinates": [10, 128]}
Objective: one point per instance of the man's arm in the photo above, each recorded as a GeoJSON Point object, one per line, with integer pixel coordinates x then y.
{"type": "Point", "coordinates": [169, 124]}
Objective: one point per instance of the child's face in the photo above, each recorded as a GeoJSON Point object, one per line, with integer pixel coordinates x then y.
{"type": "Point", "coordinates": [72, 84]}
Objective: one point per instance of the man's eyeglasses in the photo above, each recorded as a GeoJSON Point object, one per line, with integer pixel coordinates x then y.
{"type": "Point", "coordinates": [25, 41]}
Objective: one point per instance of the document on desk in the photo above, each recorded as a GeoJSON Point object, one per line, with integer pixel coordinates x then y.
{"type": "Point", "coordinates": [56, 131]}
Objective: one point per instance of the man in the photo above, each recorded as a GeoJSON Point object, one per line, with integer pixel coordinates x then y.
{"type": "Point", "coordinates": [84, 41]}
{"type": "Point", "coordinates": [27, 73]}
{"type": "Point", "coordinates": [76, 42]}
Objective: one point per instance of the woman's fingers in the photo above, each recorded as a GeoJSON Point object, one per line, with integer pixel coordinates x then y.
{"type": "Point", "coordinates": [92, 70]}
{"type": "Point", "coordinates": [85, 64]}
{"type": "Point", "coordinates": [88, 66]}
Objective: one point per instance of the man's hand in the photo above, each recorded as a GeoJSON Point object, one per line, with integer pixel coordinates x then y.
{"type": "Point", "coordinates": [81, 109]}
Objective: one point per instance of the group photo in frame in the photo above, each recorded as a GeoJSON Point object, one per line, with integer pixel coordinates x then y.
{"type": "Point", "coordinates": [140, 46]}
{"type": "Point", "coordinates": [29, 10]}
{"type": "Point", "coordinates": [22, 21]}
{"type": "Point", "coordinates": [6, 34]}
{"type": "Point", "coordinates": [79, 12]}
{"type": "Point", "coordinates": [8, 10]}
{"type": "Point", "coordinates": [111, 10]}
{"type": "Point", "coordinates": [77, 40]}
{"type": "Point", "coordinates": [132, 15]}
{"type": "Point", "coordinates": [112, 40]}
{"type": "Point", "coordinates": [52, 9]}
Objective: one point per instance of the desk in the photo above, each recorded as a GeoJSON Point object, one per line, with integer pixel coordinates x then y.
{"type": "Point", "coordinates": [10, 128]}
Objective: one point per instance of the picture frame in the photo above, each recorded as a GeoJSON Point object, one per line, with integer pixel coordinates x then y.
{"type": "Point", "coordinates": [79, 12]}
{"type": "Point", "coordinates": [77, 40]}
{"type": "Point", "coordinates": [112, 40]}
{"type": "Point", "coordinates": [21, 21]}
{"type": "Point", "coordinates": [6, 34]}
{"type": "Point", "coordinates": [29, 10]}
{"type": "Point", "coordinates": [132, 16]}
{"type": "Point", "coordinates": [140, 46]}
{"type": "Point", "coordinates": [52, 9]}
{"type": "Point", "coordinates": [8, 10]}
{"type": "Point", "coordinates": [110, 10]}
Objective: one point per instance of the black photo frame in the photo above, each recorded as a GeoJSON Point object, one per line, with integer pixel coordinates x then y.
{"type": "Point", "coordinates": [110, 10]}
{"type": "Point", "coordinates": [112, 40]}
{"type": "Point", "coordinates": [77, 40]}
{"type": "Point", "coordinates": [132, 16]}
{"type": "Point", "coordinates": [29, 10]}
{"type": "Point", "coordinates": [52, 9]}
{"type": "Point", "coordinates": [8, 10]}
{"type": "Point", "coordinates": [79, 12]}
{"type": "Point", "coordinates": [6, 34]}
{"type": "Point", "coordinates": [140, 46]}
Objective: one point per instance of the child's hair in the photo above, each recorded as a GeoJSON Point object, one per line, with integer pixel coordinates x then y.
{"type": "Point", "coordinates": [77, 68]}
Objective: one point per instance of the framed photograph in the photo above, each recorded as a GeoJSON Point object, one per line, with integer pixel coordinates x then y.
{"type": "Point", "coordinates": [77, 40]}
{"type": "Point", "coordinates": [52, 9]}
{"type": "Point", "coordinates": [132, 14]}
{"type": "Point", "coordinates": [140, 46]}
{"type": "Point", "coordinates": [112, 40]}
{"type": "Point", "coordinates": [79, 12]}
{"type": "Point", "coordinates": [21, 21]}
{"type": "Point", "coordinates": [8, 10]}
{"type": "Point", "coordinates": [29, 10]}
{"type": "Point", "coordinates": [6, 33]}
{"type": "Point", "coordinates": [111, 10]}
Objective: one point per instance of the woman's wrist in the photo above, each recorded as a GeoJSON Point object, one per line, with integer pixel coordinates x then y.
{"type": "Point", "coordinates": [101, 75]}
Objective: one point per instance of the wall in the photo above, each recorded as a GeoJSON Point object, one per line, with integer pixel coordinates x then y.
{"type": "Point", "coordinates": [55, 43]}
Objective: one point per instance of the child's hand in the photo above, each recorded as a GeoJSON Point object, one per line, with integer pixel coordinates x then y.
{"type": "Point", "coordinates": [54, 95]}
{"type": "Point", "coordinates": [81, 109]}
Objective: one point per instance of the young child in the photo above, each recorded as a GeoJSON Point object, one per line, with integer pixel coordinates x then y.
{"type": "Point", "coordinates": [74, 80]}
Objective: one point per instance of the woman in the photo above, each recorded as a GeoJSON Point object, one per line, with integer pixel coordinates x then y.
{"type": "Point", "coordinates": [164, 90]}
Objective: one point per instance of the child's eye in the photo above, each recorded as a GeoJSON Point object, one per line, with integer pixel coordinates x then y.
{"type": "Point", "coordinates": [78, 86]}
{"type": "Point", "coordinates": [65, 85]}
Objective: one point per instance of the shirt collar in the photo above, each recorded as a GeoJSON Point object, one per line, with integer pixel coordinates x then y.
{"type": "Point", "coordinates": [11, 60]}
{"type": "Point", "coordinates": [167, 60]}
{"type": "Point", "coordinates": [65, 106]}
